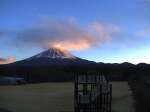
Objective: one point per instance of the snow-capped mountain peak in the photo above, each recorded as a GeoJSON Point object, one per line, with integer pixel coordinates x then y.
{"type": "Point", "coordinates": [55, 53]}
{"type": "Point", "coordinates": [53, 57]}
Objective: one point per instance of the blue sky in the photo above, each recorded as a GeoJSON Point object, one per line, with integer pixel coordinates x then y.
{"type": "Point", "coordinates": [125, 34]}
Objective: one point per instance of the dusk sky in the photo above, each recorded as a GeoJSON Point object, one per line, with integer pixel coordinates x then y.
{"type": "Point", "coordinates": [110, 31]}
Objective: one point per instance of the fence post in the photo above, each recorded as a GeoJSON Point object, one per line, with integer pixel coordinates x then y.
{"type": "Point", "coordinates": [107, 99]}
{"type": "Point", "coordinates": [100, 96]}
{"type": "Point", "coordinates": [110, 98]}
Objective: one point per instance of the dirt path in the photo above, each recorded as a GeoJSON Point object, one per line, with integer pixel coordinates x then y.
{"type": "Point", "coordinates": [122, 100]}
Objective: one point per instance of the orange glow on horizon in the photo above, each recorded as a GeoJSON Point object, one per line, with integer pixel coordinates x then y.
{"type": "Point", "coordinates": [8, 60]}
{"type": "Point", "coordinates": [76, 45]}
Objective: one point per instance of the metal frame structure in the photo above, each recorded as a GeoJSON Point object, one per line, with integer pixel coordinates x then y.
{"type": "Point", "coordinates": [92, 93]}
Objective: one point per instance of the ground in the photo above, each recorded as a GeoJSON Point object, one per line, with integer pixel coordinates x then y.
{"type": "Point", "coordinates": [47, 97]}
{"type": "Point", "coordinates": [122, 99]}
{"type": "Point", "coordinates": [56, 97]}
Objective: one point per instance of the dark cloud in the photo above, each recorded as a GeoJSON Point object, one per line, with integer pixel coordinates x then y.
{"type": "Point", "coordinates": [2, 59]}
{"type": "Point", "coordinates": [64, 34]}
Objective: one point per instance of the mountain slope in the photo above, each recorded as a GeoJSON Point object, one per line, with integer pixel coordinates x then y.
{"type": "Point", "coordinates": [53, 57]}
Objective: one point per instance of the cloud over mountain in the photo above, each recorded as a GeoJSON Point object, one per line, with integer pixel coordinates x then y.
{"type": "Point", "coordinates": [66, 34]}
{"type": "Point", "coordinates": [7, 60]}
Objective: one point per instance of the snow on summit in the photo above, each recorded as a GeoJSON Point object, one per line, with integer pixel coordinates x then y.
{"type": "Point", "coordinates": [55, 53]}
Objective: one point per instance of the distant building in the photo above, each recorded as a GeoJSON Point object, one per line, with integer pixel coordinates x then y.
{"type": "Point", "coordinates": [7, 80]}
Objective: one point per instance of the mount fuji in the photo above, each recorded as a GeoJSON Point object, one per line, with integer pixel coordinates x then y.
{"type": "Point", "coordinates": [54, 53]}
{"type": "Point", "coordinates": [53, 57]}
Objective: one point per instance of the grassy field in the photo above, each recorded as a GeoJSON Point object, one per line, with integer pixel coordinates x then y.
{"type": "Point", "coordinates": [46, 97]}
{"type": "Point", "coordinates": [122, 99]}
{"type": "Point", "coordinates": [56, 97]}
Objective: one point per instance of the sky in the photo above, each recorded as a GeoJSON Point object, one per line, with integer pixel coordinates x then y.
{"type": "Point", "coordinates": [110, 31]}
